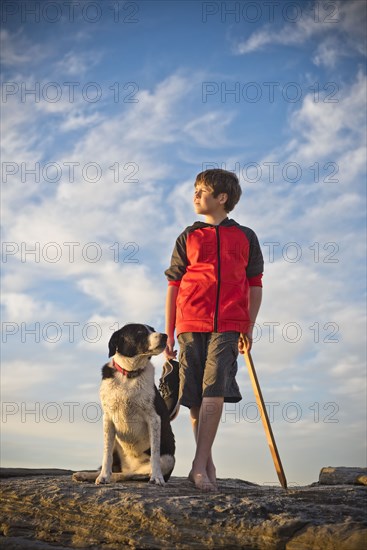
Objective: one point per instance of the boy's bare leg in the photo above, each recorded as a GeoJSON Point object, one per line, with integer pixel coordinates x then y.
{"type": "Point", "coordinates": [210, 468]}
{"type": "Point", "coordinates": [205, 423]}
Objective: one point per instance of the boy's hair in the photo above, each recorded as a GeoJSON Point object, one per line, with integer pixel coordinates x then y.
{"type": "Point", "coordinates": [221, 181]}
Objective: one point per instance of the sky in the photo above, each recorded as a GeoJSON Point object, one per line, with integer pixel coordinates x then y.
{"type": "Point", "coordinates": [109, 111]}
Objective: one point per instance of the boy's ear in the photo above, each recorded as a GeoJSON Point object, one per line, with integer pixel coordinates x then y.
{"type": "Point", "coordinates": [112, 344]}
{"type": "Point", "coordinates": [223, 197]}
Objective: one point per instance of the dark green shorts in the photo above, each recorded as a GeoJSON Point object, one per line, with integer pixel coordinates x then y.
{"type": "Point", "coordinates": [208, 367]}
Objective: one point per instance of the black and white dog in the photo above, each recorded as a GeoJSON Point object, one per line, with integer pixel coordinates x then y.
{"type": "Point", "coordinates": [138, 438]}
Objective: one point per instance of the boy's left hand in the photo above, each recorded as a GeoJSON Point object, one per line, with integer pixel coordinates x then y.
{"type": "Point", "coordinates": [170, 351]}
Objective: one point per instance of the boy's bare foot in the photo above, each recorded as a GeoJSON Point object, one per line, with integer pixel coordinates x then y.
{"type": "Point", "coordinates": [211, 473]}
{"type": "Point", "coordinates": [202, 482]}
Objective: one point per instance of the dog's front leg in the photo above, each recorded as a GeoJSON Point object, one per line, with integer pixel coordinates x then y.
{"type": "Point", "coordinates": [155, 450]}
{"type": "Point", "coordinates": [108, 443]}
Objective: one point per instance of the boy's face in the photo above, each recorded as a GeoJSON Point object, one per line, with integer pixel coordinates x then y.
{"type": "Point", "coordinates": [205, 203]}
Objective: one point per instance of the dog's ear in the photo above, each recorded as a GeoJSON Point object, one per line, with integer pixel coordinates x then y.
{"type": "Point", "coordinates": [112, 344]}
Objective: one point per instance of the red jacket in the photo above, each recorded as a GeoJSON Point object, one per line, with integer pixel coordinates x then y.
{"type": "Point", "coordinates": [214, 267]}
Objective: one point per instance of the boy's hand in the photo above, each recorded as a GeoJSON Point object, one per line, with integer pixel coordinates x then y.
{"type": "Point", "coordinates": [170, 351]}
{"type": "Point", "coordinates": [244, 342]}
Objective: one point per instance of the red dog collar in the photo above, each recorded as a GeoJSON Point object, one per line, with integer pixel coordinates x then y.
{"type": "Point", "coordinates": [128, 373]}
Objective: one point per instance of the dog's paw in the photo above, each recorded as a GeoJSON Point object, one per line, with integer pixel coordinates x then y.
{"type": "Point", "coordinates": [103, 479]}
{"type": "Point", "coordinates": [157, 479]}
{"type": "Point", "coordinates": [83, 476]}
{"type": "Point", "coordinates": [78, 476]}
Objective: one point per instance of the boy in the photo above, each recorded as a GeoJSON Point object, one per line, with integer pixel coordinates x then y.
{"type": "Point", "coordinates": [214, 294]}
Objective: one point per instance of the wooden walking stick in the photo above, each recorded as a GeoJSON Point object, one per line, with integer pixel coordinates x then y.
{"type": "Point", "coordinates": [264, 415]}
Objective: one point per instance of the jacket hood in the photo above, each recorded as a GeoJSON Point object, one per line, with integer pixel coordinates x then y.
{"type": "Point", "coordinates": [227, 222]}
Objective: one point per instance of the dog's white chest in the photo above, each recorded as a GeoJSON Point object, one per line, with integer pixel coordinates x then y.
{"type": "Point", "coordinates": [128, 403]}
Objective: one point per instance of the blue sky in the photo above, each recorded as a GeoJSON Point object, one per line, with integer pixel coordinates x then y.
{"type": "Point", "coordinates": [109, 110]}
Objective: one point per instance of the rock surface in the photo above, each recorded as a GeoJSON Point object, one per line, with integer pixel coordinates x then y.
{"type": "Point", "coordinates": [50, 511]}
{"type": "Point", "coordinates": [343, 476]}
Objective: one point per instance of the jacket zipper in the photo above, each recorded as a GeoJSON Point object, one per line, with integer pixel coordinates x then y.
{"type": "Point", "coordinates": [218, 287]}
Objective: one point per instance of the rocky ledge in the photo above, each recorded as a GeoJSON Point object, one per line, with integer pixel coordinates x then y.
{"type": "Point", "coordinates": [46, 510]}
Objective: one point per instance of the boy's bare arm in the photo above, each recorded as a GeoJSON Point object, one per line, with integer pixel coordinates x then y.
{"type": "Point", "coordinates": [255, 297]}
{"type": "Point", "coordinates": [172, 292]}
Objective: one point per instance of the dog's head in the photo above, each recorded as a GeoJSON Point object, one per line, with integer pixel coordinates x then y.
{"type": "Point", "coordinates": [134, 339]}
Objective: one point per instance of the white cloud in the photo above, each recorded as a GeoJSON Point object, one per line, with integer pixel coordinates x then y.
{"type": "Point", "coordinates": [328, 52]}
{"type": "Point", "coordinates": [129, 292]}
{"type": "Point", "coordinates": [125, 220]}
{"type": "Point", "coordinates": [208, 130]}
{"type": "Point", "coordinates": [342, 32]}
{"type": "Point", "coordinates": [21, 307]}
{"type": "Point", "coordinates": [17, 50]}
{"type": "Point", "coordinates": [77, 120]}
{"type": "Point", "coordinates": [18, 145]}
{"type": "Point", "coordinates": [78, 64]}
{"type": "Point", "coordinates": [345, 115]}
{"type": "Point", "coordinates": [297, 33]}
{"type": "Point", "coordinates": [19, 376]}
{"type": "Point", "coordinates": [331, 139]}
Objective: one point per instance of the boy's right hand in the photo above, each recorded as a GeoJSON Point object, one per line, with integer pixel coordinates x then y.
{"type": "Point", "coordinates": [244, 343]}
{"type": "Point", "coordinates": [170, 351]}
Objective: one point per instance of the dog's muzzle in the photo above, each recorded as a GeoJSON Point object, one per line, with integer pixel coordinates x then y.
{"type": "Point", "coordinates": [159, 342]}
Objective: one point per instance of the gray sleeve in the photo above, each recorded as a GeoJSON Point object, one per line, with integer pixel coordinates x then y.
{"type": "Point", "coordinates": [179, 262]}
{"type": "Point", "coordinates": [255, 264]}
